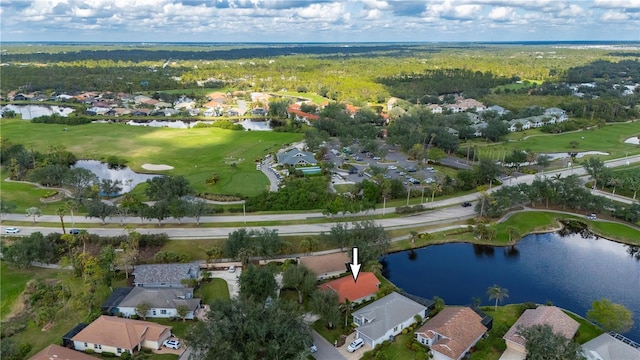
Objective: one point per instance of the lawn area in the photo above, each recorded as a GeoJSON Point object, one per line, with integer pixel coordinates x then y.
{"type": "Point", "coordinates": [178, 327]}
{"type": "Point", "coordinates": [13, 284]}
{"type": "Point", "coordinates": [23, 196]}
{"type": "Point", "coordinates": [609, 138]}
{"type": "Point", "coordinates": [492, 347]}
{"type": "Point", "coordinates": [216, 288]}
{"type": "Point", "coordinates": [521, 101]}
{"type": "Point", "coordinates": [195, 153]}
{"type": "Point", "coordinates": [617, 231]}
{"type": "Point", "coordinates": [587, 329]}
{"type": "Point", "coordinates": [196, 249]}
{"type": "Point", "coordinates": [315, 98]}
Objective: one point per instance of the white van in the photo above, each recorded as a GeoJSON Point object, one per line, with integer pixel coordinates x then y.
{"type": "Point", "coordinates": [355, 345]}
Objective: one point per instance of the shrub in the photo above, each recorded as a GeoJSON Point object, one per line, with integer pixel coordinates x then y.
{"type": "Point", "coordinates": [107, 354]}
{"type": "Point", "coordinates": [89, 351]}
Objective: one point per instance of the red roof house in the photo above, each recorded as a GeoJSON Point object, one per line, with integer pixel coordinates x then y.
{"type": "Point", "coordinates": [356, 291]}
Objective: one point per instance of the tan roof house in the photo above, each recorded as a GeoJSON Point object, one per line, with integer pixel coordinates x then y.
{"type": "Point", "coordinates": [118, 335]}
{"type": "Point", "coordinates": [326, 266]}
{"type": "Point", "coordinates": [550, 315]}
{"type": "Point", "coordinates": [452, 333]}
{"type": "Point", "coordinates": [60, 353]}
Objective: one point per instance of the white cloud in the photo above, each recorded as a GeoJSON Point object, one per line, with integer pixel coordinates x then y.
{"type": "Point", "coordinates": [617, 4]}
{"type": "Point", "coordinates": [325, 12]}
{"type": "Point", "coordinates": [614, 16]}
{"type": "Point", "coordinates": [375, 4]}
{"type": "Point", "coordinates": [502, 13]}
{"type": "Point", "coordinates": [572, 10]}
{"type": "Point", "coordinates": [450, 11]}
{"type": "Point", "coordinates": [373, 14]}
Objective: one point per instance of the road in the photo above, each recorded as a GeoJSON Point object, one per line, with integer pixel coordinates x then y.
{"type": "Point", "coordinates": [446, 211]}
{"type": "Point", "coordinates": [326, 351]}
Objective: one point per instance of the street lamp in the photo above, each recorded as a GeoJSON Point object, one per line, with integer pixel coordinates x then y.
{"type": "Point", "coordinates": [408, 193]}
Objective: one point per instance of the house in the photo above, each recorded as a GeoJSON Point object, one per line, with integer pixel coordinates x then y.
{"type": "Point", "coordinates": [165, 275]}
{"type": "Point", "coordinates": [297, 157]}
{"type": "Point", "coordinates": [611, 346]}
{"type": "Point", "coordinates": [164, 302]}
{"type": "Point", "coordinates": [436, 109]}
{"type": "Point", "coordinates": [452, 131]}
{"type": "Point", "coordinates": [294, 112]}
{"type": "Point", "coordinates": [452, 333]}
{"type": "Point", "coordinates": [559, 321]}
{"type": "Point", "coordinates": [498, 109]}
{"type": "Point", "coordinates": [559, 114]}
{"type": "Point", "coordinates": [259, 111]}
{"type": "Point", "coordinates": [118, 335]}
{"type": "Point", "coordinates": [479, 127]}
{"type": "Point", "coordinates": [60, 353]}
{"type": "Point", "coordinates": [524, 124]}
{"type": "Point", "coordinates": [385, 318]}
{"type": "Point", "coordinates": [328, 265]}
{"type": "Point", "coordinates": [391, 103]}
{"type": "Point", "coordinates": [365, 288]}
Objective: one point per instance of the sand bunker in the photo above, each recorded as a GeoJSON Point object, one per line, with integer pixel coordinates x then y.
{"type": "Point", "coordinates": [633, 140]}
{"type": "Point", "coordinates": [157, 167]}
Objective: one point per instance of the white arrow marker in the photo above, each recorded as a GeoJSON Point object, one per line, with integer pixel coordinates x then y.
{"type": "Point", "coordinates": [355, 265]}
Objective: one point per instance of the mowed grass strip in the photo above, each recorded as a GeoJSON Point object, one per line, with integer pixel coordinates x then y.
{"type": "Point", "coordinates": [197, 154]}
{"type": "Point", "coordinates": [216, 288]}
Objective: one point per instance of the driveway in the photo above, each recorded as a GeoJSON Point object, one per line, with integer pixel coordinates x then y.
{"type": "Point", "coordinates": [326, 351]}
{"type": "Point", "coordinates": [356, 354]}
{"type": "Point", "coordinates": [230, 278]}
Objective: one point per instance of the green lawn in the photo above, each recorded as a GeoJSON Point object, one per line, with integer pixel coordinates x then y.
{"type": "Point", "coordinates": [13, 283]}
{"type": "Point", "coordinates": [195, 153]}
{"type": "Point", "coordinates": [23, 196]}
{"type": "Point", "coordinates": [609, 139]}
{"type": "Point", "coordinates": [587, 329]}
{"type": "Point", "coordinates": [216, 288]}
{"type": "Point", "coordinates": [492, 347]}
{"type": "Point", "coordinates": [178, 327]}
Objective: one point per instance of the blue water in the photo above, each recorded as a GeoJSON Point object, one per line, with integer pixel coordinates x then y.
{"type": "Point", "coordinates": [568, 271]}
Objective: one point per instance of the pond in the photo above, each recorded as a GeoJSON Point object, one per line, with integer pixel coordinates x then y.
{"type": "Point", "coordinates": [247, 124]}
{"type": "Point", "coordinates": [569, 271]}
{"type": "Point", "coordinates": [126, 176]}
{"type": "Point", "coordinates": [29, 112]}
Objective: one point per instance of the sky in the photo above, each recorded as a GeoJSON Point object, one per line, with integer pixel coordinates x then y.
{"type": "Point", "coordinates": [318, 21]}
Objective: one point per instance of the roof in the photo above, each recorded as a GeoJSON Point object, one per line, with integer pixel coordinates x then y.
{"type": "Point", "coordinates": [115, 298]}
{"type": "Point", "coordinates": [346, 288]}
{"type": "Point", "coordinates": [60, 353]}
{"type": "Point", "coordinates": [460, 326]}
{"type": "Point", "coordinates": [550, 315]}
{"type": "Point", "coordinates": [165, 273]}
{"type": "Point", "coordinates": [386, 313]}
{"type": "Point", "coordinates": [120, 332]}
{"type": "Point", "coordinates": [168, 298]}
{"type": "Point", "coordinates": [329, 263]}
{"type": "Point", "coordinates": [606, 347]}
{"type": "Point", "coordinates": [295, 156]}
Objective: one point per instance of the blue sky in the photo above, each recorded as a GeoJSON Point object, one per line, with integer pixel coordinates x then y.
{"type": "Point", "coordinates": [318, 21]}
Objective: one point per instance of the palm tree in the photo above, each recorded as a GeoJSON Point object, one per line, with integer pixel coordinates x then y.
{"type": "Point", "coordinates": [498, 293]}
{"type": "Point", "coordinates": [60, 211]}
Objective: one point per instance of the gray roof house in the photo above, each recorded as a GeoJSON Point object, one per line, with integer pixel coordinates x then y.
{"type": "Point", "coordinates": [608, 347]}
{"type": "Point", "coordinates": [164, 302]}
{"type": "Point", "coordinates": [165, 275]}
{"type": "Point", "coordinates": [296, 156]}
{"type": "Point", "coordinates": [386, 318]}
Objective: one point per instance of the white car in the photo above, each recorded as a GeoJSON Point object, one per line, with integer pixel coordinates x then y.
{"type": "Point", "coordinates": [313, 348]}
{"type": "Point", "coordinates": [355, 345]}
{"type": "Point", "coordinates": [12, 230]}
{"type": "Point", "coordinates": [590, 217]}
{"type": "Point", "coordinates": [392, 167]}
{"type": "Point", "coordinates": [232, 268]}
{"type": "Point", "coordinates": [171, 344]}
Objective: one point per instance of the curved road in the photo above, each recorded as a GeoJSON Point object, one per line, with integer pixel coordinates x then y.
{"type": "Point", "coordinates": [446, 211]}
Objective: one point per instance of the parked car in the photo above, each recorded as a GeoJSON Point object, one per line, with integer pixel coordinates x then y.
{"type": "Point", "coordinates": [376, 158]}
{"type": "Point", "coordinates": [466, 204]}
{"type": "Point", "coordinates": [430, 168]}
{"type": "Point", "coordinates": [12, 230]}
{"type": "Point", "coordinates": [392, 167]}
{"type": "Point", "coordinates": [590, 217]}
{"type": "Point", "coordinates": [172, 344]}
{"type": "Point", "coordinates": [355, 345]}
{"type": "Point", "coordinates": [412, 169]}
{"type": "Point", "coordinates": [74, 231]}
{"type": "Point", "coordinates": [313, 348]}
{"type": "Point", "coordinates": [232, 268]}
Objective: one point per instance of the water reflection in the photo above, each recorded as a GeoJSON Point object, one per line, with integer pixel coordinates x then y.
{"type": "Point", "coordinates": [482, 250]}
{"type": "Point", "coordinates": [127, 177]}
{"type": "Point", "coordinates": [29, 112]}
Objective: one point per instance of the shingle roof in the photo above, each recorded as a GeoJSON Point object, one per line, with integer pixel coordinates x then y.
{"type": "Point", "coordinates": [168, 298]}
{"type": "Point", "coordinates": [550, 315]}
{"type": "Point", "coordinates": [165, 273]}
{"type": "Point", "coordinates": [346, 288]}
{"type": "Point", "coordinates": [60, 353]}
{"type": "Point", "coordinates": [329, 263]}
{"type": "Point", "coordinates": [387, 313]}
{"type": "Point", "coordinates": [460, 325]}
{"type": "Point", "coordinates": [121, 333]}
{"type": "Point", "coordinates": [295, 155]}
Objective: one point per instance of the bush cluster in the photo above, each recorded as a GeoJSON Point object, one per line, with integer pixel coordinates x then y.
{"type": "Point", "coordinates": [409, 209]}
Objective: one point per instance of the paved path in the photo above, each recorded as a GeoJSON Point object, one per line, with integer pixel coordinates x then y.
{"type": "Point", "coordinates": [326, 351]}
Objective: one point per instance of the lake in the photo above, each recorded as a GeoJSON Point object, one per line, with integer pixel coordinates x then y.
{"type": "Point", "coordinates": [126, 176]}
{"type": "Point", "coordinates": [569, 271]}
{"type": "Point", "coordinates": [29, 112]}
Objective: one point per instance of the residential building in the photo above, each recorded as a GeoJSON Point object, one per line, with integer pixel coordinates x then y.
{"type": "Point", "coordinates": [296, 157]}
{"type": "Point", "coordinates": [550, 315]}
{"type": "Point", "coordinates": [57, 352]}
{"type": "Point", "coordinates": [611, 346]}
{"type": "Point", "coordinates": [385, 318]}
{"type": "Point", "coordinates": [436, 109]}
{"type": "Point", "coordinates": [452, 333]}
{"type": "Point", "coordinates": [524, 124]}
{"type": "Point", "coordinates": [163, 302]}
{"type": "Point", "coordinates": [365, 288]}
{"type": "Point", "coordinates": [328, 265]}
{"type": "Point", "coordinates": [559, 114]}
{"type": "Point", "coordinates": [165, 275]}
{"type": "Point", "coordinates": [118, 335]}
